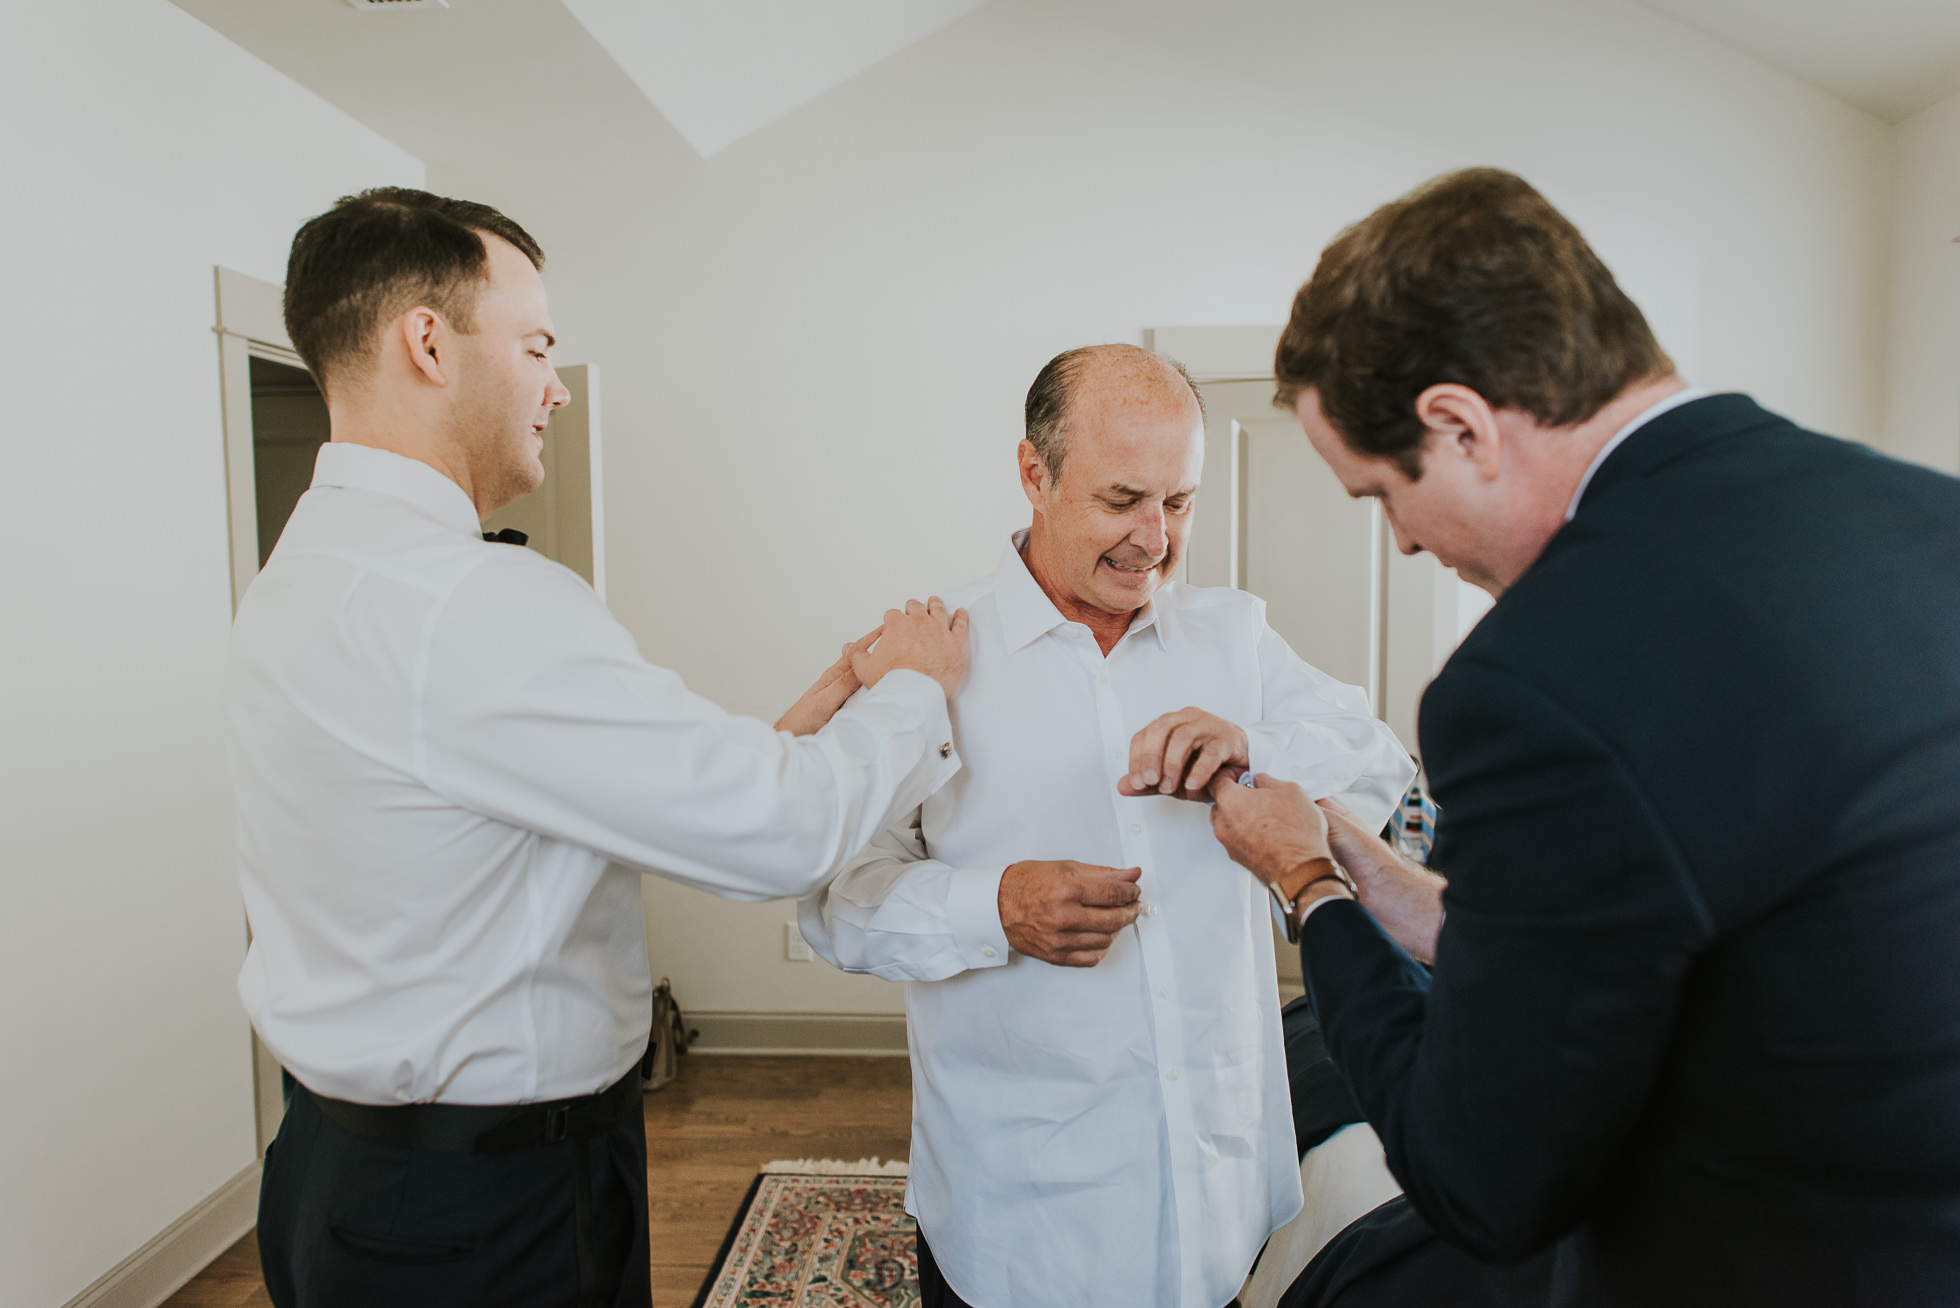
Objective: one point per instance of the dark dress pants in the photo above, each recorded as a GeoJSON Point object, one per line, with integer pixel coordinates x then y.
{"type": "Point", "coordinates": [933, 1290]}
{"type": "Point", "coordinates": [346, 1222]}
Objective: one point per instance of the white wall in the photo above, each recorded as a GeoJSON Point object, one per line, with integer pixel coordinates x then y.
{"type": "Point", "coordinates": [816, 344]}
{"type": "Point", "coordinates": [1922, 415]}
{"type": "Point", "coordinates": [143, 149]}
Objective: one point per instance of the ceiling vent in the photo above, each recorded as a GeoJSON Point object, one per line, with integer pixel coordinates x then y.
{"type": "Point", "coordinates": [399, 4]}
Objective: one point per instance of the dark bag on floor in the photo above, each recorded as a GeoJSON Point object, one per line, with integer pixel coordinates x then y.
{"type": "Point", "coordinates": [668, 1041]}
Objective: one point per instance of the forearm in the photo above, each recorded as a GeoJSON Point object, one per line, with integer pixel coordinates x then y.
{"type": "Point", "coordinates": [1406, 900]}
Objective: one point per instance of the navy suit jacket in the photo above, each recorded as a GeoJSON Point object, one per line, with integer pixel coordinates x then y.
{"type": "Point", "coordinates": [1696, 1003]}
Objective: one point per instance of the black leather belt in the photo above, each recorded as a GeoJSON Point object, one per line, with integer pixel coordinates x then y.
{"type": "Point", "coordinates": [490, 1128]}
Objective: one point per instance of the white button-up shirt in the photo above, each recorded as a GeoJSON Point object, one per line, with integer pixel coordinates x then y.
{"type": "Point", "coordinates": [438, 744]}
{"type": "Point", "coordinates": [1119, 1134]}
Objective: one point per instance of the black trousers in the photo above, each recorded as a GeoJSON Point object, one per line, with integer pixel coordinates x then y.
{"type": "Point", "coordinates": [933, 1290]}
{"type": "Point", "coordinates": [346, 1222]}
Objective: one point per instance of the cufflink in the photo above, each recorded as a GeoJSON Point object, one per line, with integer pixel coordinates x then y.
{"type": "Point", "coordinates": [946, 750]}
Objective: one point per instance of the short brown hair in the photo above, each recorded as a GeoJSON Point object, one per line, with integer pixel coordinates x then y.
{"type": "Point", "coordinates": [1473, 278]}
{"type": "Point", "coordinates": [379, 254]}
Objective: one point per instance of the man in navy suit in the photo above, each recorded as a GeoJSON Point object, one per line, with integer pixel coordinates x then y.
{"type": "Point", "coordinates": [1689, 1029]}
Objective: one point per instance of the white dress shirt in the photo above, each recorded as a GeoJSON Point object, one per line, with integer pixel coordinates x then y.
{"type": "Point", "coordinates": [439, 743]}
{"type": "Point", "coordinates": [1119, 1134]}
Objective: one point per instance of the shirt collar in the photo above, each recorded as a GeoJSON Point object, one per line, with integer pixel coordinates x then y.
{"type": "Point", "coordinates": [1026, 612]}
{"type": "Point", "coordinates": [1645, 416]}
{"type": "Point", "coordinates": [363, 467]}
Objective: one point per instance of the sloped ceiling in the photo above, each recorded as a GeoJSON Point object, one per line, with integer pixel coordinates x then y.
{"type": "Point", "coordinates": [697, 75]}
{"type": "Point", "coordinates": [719, 69]}
{"type": "Point", "coordinates": [1891, 57]}
{"type": "Point", "coordinates": [483, 79]}
{"type": "Point", "coordinates": [482, 76]}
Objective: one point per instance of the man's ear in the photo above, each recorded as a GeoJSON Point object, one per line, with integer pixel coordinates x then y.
{"type": "Point", "coordinates": [1461, 424]}
{"type": "Point", "coordinates": [1034, 475]}
{"type": "Point", "coordinates": [425, 339]}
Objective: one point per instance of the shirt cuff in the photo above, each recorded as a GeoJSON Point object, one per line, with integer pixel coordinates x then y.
{"type": "Point", "coordinates": [1279, 915]}
{"type": "Point", "coordinates": [919, 691]}
{"type": "Point", "coordinates": [1315, 907]}
{"type": "Point", "coordinates": [939, 761]}
{"type": "Point", "coordinates": [973, 913]}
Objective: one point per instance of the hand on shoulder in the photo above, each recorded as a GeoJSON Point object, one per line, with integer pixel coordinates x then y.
{"type": "Point", "coordinates": [922, 637]}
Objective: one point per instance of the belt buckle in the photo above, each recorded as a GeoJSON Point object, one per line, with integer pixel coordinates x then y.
{"type": "Point", "coordinates": [557, 1123]}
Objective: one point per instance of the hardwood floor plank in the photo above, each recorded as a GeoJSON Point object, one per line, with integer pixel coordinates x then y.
{"type": "Point", "coordinates": [707, 1135]}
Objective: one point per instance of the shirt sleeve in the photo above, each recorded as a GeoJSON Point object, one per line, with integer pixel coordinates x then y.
{"type": "Point", "coordinates": [533, 707]}
{"type": "Point", "coordinates": [1318, 733]}
{"type": "Point", "coordinates": [899, 915]}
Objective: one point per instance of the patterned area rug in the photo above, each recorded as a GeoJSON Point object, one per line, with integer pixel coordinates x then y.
{"type": "Point", "coordinates": [819, 1234]}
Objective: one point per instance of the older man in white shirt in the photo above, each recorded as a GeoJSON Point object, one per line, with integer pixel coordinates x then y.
{"type": "Point", "coordinates": [451, 764]}
{"type": "Point", "coordinates": [1100, 1109]}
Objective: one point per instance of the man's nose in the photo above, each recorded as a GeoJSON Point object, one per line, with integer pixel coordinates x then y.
{"type": "Point", "coordinates": [1150, 534]}
{"type": "Point", "coordinates": [556, 395]}
{"type": "Point", "coordinates": [1403, 540]}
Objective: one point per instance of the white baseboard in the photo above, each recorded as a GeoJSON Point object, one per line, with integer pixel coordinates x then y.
{"type": "Point", "coordinates": [180, 1251]}
{"type": "Point", "coordinates": [798, 1033]}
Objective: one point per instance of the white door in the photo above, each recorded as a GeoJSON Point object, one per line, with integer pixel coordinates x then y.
{"type": "Point", "coordinates": [1274, 520]}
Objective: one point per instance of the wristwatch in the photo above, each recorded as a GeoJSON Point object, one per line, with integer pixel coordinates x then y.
{"type": "Point", "coordinates": [1286, 890]}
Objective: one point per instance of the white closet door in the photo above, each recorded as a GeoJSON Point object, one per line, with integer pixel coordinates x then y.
{"type": "Point", "coordinates": [1272, 519]}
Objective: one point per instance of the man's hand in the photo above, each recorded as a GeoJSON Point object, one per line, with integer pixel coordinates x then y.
{"type": "Point", "coordinates": [822, 700]}
{"type": "Point", "coordinates": [1067, 913]}
{"type": "Point", "coordinates": [923, 638]}
{"type": "Point", "coordinates": [1270, 829]}
{"type": "Point", "coordinates": [1180, 753]}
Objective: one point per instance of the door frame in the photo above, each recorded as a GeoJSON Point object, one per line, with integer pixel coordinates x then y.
{"type": "Point", "coordinates": [251, 322]}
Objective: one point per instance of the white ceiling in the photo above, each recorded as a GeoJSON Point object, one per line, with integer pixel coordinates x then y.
{"type": "Point", "coordinates": [485, 77]}
{"type": "Point", "coordinates": [1892, 57]}
{"type": "Point", "coordinates": [720, 70]}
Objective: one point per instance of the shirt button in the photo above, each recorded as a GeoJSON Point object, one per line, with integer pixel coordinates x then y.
{"type": "Point", "coordinates": [988, 952]}
{"type": "Point", "coordinates": [1135, 830]}
{"type": "Point", "coordinates": [946, 750]}
{"type": "Point", "coordinates": [1171, 1075]}
{"type": "Point", "coordinates": [1103, 677]}
{"type": "Point", "coordinates": [1149, 909]}
{"type": "Point", "coordinates": [1116, 753]}
{"type": "Point", "coordinates": [1164, 993]}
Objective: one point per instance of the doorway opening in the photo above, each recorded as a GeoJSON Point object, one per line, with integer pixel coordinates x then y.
{"type": "Point", "coordinates": [289, 425]}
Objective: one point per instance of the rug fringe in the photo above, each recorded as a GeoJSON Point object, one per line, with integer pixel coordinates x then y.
{"type": "Point", "coordinates": [836, 1167]}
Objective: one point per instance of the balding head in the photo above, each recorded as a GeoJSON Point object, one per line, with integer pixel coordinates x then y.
{"type": "Point", "coordinates": [1086, 386]}
{"type": "Point", "coordinates": [1114, 451]}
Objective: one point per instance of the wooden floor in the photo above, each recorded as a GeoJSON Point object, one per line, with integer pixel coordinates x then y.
{"type": "Point", "coordinates": [707, 1134]}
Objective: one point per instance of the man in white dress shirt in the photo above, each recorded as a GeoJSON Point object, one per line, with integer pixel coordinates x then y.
{"type": "Point", "coordinates": [451, 767]}
{"type": "Point", "coordinates": [1100, 1110]}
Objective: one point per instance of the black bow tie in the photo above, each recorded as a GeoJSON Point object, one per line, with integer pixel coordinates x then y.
{"type": "Point", "coordinates": [508, 536]}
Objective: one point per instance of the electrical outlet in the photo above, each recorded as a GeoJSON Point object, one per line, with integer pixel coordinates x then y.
{"type": "Point", "coordinates": [795, 948]}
